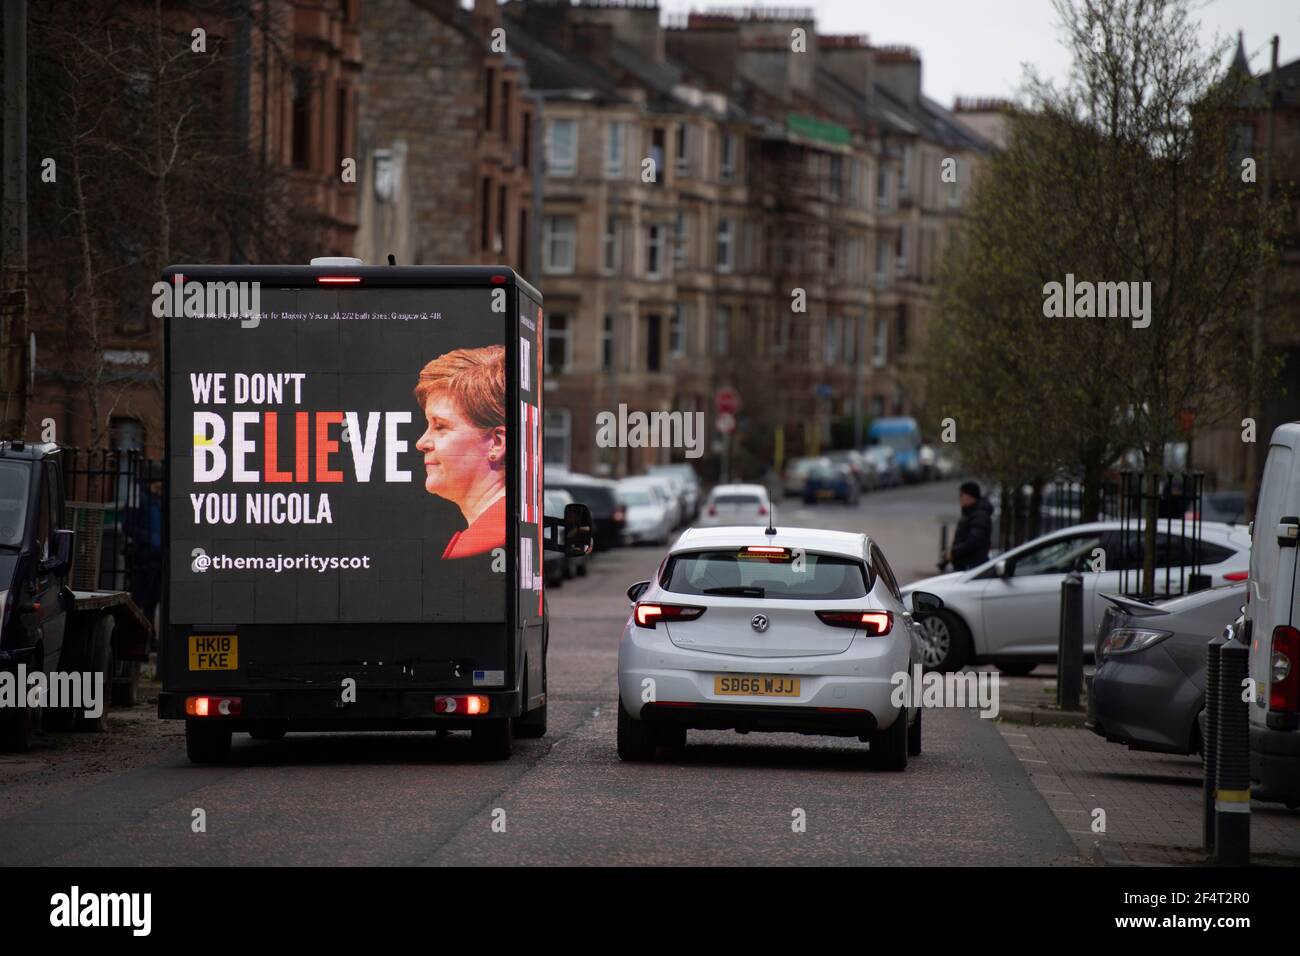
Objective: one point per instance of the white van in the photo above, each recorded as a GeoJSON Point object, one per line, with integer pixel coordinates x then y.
{"type": "Point", "coordinates": [1273, 616]}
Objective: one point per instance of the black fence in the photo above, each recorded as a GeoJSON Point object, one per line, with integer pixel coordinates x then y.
{"type": "Point", "coordinates": [114, 501]}
{"type": "Point", "coordinates": [1173, 499]}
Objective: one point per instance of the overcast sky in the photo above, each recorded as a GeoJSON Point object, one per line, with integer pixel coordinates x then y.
{"type": "Point", "coordinates": [977, 47]}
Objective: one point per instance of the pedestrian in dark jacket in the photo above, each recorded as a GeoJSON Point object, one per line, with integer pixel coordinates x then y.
{"type": "Point", "coordinates": [970, 542]}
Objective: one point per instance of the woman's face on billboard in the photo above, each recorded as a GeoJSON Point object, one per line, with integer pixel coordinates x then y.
{"type": "Point", "coordinates": [458, 455]}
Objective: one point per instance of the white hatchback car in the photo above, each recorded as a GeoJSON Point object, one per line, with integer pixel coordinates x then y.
{"type": "Point", "coordinates": [1008, 609]}
{"type": "Point", "coordinates": [735, 504]}
{"type": "Point", "coordinates": [760, 629]}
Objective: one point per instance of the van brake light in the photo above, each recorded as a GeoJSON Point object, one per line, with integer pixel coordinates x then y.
{"type": "Point", "coordinates": [1284, 675]}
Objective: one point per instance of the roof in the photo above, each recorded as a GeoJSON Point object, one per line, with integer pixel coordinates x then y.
{"type": "Point", "coordinates": [817, 540]}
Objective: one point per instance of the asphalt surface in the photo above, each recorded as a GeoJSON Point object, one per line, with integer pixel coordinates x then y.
{"type": "Point", "coordinates": [413, 799]}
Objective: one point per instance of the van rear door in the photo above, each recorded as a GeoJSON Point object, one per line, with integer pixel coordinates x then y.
{"type": "Point", "coordinates": [1273, 591]}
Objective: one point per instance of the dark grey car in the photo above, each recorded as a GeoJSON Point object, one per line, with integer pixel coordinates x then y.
{"type": "Point", "coordinates": [1149, 686]}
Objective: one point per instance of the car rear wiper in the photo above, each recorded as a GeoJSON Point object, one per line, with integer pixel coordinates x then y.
{"type": "Point", "coordinates": [740, 591]}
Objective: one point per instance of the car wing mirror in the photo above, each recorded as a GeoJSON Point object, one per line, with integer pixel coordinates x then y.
{"type": "Point", "coordinates": [923, 602]}
{"type": "Point", "coordinates": [635, 591]}
{"type": "Point", "coordinates": [60, 562]}
{"type": "Point", "coordinates": [577, 530]}
{"type": "Point", "coordinates": [1003, 568]}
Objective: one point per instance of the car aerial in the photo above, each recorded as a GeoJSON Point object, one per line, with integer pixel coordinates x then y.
{"type": "Point", "coordinates": [1272, 623]}
{"type": "Point", "coordinates": [735, 504]}
{"type": "Point", "coordinates": [649, 513]}
{"type": "Point", "coordinates": [555, 501]}
{"type": "Point", "coordinates": [1149, 687]}
{"type": "Point", "coordinates": [795, 475]}
{"type": "Point", "coordinates": [690, 485]}
{"type": "Point", "coordinates": [830, 481]}
{"type": "Point", "coordinates": [885, 462]}
{"type": "Point", "coordinates": [601, 496]}
{"type": "Point", "coordinates": [770, 629]}
{"type": "Point", "coordinates": [1007, 610]}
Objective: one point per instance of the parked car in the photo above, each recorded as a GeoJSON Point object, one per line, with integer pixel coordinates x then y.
{"type": "Point", "coordinates": [649, 512]}
{"type": "Point", "coordinates": [554, 503]}
{"type": "Point", "coordinates": [735, 505]}
{"type": "Point", "coordinates": [795, 475]}
{"type": "Point", "coordinates": [884, 461]}
{"type": "Point", "coordinates": [1007, 610]}
{"type": "Point", "coordinates": [928, 459]}
{"type": "Point", "coordinates": [862, 473]}
{"type": "Point", "coordinates": [601, 496]}
{"type": "Point", "coordinates": [945, 466]}
{"type": "Point", "coordinates": [1271, 622]}
{"type": "Point", "coordinates": [666, 490]}
{"type": "Point", "coordinates": [1149, 687]}
{"type": "Point", "coordinates": [692, 493]}
{"type": "Point", "coordinates": [734, 634]}
{"type": "Point", "coordinates": [830, 481]}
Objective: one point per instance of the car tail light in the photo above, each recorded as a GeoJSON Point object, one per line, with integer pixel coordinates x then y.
{"type": "Point", "coordinates": [712, 511]}
{"type": "Point", "coordinates": [471, 705]}
{"type": "Point", "coordinates": [338, 280]}
{"type": "Point", "coordinates": [765, 549]}
{"type": "Point", "coordinates": [208, 706]}
{"type": "Point", "coordinates": [1192, 516]}
{"type": "Point", "coordinates": [1283, 675]}
{"type": "Point", "coordinates": [1236, 576]}
{"type": "Point", "coordinates": [1129, 640]}
{"type": "Point", "coordinates": [875, 623]}
{"type": "Point", "coordinates": [761, 511]}
{"type": "Point", "coordinates": [648, 613]}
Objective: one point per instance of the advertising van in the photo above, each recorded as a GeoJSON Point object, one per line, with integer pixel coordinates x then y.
{"type": "Point", "coordinates": [355, 525]}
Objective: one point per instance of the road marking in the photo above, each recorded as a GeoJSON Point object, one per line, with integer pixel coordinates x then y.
{"type": "Point", "coordinates": [1027, 760]}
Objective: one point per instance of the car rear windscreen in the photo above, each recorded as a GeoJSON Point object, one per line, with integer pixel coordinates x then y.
{"type": "Point", "coordinates": [793, 575]}
{"type": "Point", "coordinates": [751, 500]}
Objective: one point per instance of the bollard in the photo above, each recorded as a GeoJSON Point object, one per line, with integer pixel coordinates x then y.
{"type": "Point", "coordinates": [1210, 741]}
{"type": "Point", "coordinates": [1069, 651]}
{"type": "Point", "coordinates": [1232, 754]}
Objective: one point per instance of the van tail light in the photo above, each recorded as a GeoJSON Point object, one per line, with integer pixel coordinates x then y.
{"type": "Point", "coordinates": [212, 706]}
{"type": "Point", "coordinates": [1283, 673]}
{"type": "Point", "coordinates": [1236, 576]}
{"type": "Point", "coordinates": [470, 705]}
{"type": "Point", "coordinates": [648, 613]}
{"type": "Point", "coordinates": [875, 623]}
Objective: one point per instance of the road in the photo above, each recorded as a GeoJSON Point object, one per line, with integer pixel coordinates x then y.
{"type": "Point", "coordinates": [412, 799]}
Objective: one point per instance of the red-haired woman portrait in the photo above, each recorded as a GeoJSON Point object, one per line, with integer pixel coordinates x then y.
{"type": "Point", "coordinates": [463, 396]}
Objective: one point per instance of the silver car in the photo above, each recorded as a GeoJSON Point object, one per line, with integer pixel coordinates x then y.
{"type": "Point", "coordinates": [1007, 610]}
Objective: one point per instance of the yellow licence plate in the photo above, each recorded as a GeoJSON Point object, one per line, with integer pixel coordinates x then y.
{"type": "Point", "coordinates": [756, 685]}
{"type": "Point", "coordinates": [825, 493]}
{"type": "Point", "coordinates": [214, 652]}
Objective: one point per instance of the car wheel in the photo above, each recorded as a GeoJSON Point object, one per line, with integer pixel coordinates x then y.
{"type": "Point", "coordinates": [945, 642]}
{"type": "Point", "coordinates": [206, 742]}
{"type": "Point", "coordinates": [914, 735]}
{"type": "Point", "coordinates": [889, 747]}
{"type": "Point", "coordinates": [492, 738]}
{"type": "Point", "coordinates": [1016, 668]}
{"type": "Point", "coordinates": [636, 738]}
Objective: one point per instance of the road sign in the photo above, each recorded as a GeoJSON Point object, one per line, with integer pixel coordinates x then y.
{"type": "Point", "coordinates": [726, 401]}
{"type": "Point", "coordinates": [725, 423]}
